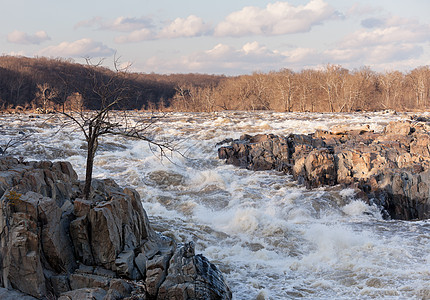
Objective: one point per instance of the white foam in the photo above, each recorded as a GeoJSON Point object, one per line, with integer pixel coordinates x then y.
{"type": "Point", "coordinates": [272, 238]}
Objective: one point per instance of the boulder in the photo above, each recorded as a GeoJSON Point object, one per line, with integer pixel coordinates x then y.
{"type": "Point", "coordinates": [54, 243]}
{"type": "Point", "coordinates": [390, 167]}
{"type": "Point", "coordinates": [192, 276]}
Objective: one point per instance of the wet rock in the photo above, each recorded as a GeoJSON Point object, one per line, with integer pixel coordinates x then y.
{"type": "Point", "coordinates": [316, 169]}
{"type": "Point", "coordinates": [54, 243]}
{"type": "Point", "coordinates": [192, 277]}
{"type": "Point", "coordinates": [390, 167]}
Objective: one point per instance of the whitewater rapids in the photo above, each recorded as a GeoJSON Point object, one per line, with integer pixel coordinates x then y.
{"type": "Point", "coordinates": [272, 238]}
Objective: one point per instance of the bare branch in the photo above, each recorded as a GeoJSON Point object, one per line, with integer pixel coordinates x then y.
{"type": "Point", "coordinates": [110, 90]}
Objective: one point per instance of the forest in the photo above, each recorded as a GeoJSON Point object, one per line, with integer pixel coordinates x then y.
{"type": "Point", "coordinates": [43, 83]}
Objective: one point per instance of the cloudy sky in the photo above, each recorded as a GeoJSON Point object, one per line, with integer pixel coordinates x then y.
{"type": "Point", "coordinates": [222, 37]}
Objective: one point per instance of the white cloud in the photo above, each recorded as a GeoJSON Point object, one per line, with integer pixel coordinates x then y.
{"type": "Point", "coordinates": [219, 51]}
{"type": "Point", "coordinates": [392, 30]}
{"type": "Point", "coordinates": [275, 19]}
{"type": "Point", "coordinates": [79, 48]}
{"type": "Point", "coordinates": [359, 9]}
{"type": "Point", "coordinates": [129, 24]}
{"type": "Point", "coordinates": [190, 27]}
{"type": "Point", "coordinates": [382, 41]}
{"type": "Point", "coordinates": [394, 52]}
{"type": "Point", "coordinates": [141, 29]}
{"type": "Point", "coordinates": [135, 36]}
{"type": "Point", "coordinates": [220, 59]}
{"type": "Point", "coordinates": [253, 48]}
{"type": "Point", "coordinates": [121, 24]}
{"type": "Point", "coordinates": [96, 21]}
{"type": "Point", "coordinates": [19, 37]}
{"type": "Point", "coordinates": [372, 22]}
{"type": "Point", "coordinates": [303, 56]}
{"type": "Point", "coordinates": [252, 56]}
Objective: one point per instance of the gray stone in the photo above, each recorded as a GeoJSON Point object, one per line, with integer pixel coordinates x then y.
{"type": "Point", "coordinates": [60, 284]}
{"type": "Point", "coordinates": [20, 237]}
{"type": "Point", "coordinates": [53, 242]}
{"type": "Point", "coordinates": [390, 167]}
{"type": "Point", "coordinates": [192, 277]}
{"type": "Point", "coordinates": [124, 265]}
{"type": "Point", "coordinates": [81, 240]}
{"type": "Point", "coordinates": [140, 261]}
{"type": "Point", "coordinates": [78, 281]}
{"type": "Point", "coordinates": [84, 294]}
{"type": "Point", "coordinates": [6, 294]}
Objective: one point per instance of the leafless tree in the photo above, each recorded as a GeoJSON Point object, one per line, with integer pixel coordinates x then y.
{"type": "Point", "coordinates": [420, 82]}
{"type": "Point", "coordinates": [392, 84]}
{"type": "Point", "coordinates": [108, 118]}
{"type": "Point", "coordinates": [45, 96]}
{"type": "Point", "coordinates": [285, 86]}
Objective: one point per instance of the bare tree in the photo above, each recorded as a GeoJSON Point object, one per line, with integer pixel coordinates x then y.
{"type": "Point", "coordinates": [110, 91]}
{"type": "Point", "coordinates": [285, 86]}
{"type": "Point", "coordinates": [45, 96]}
{"type": "Point", "coordinates": [419, 78]}
{"type": "Point", "coordinates": [332, 81]}
{"type": "Point", "coordinates": [392, 84]}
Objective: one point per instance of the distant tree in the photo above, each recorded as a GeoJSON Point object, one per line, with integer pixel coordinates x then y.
{"type": "Point", "coordinates": [419, 79]}
{"type": "Point", "coordinates": [392, 84]}
{"type": "Point", "coordinates": [45, 96]}
{"type": "Point", "coordinates": [285, 87]}
{"type": "Point", "coordinates": [111, 91]}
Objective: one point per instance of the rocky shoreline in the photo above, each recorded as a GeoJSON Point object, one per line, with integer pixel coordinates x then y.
{"type": "Point", "coordinates": [390, 168]}
{"type": "Point", "coordinates": [55, 245]}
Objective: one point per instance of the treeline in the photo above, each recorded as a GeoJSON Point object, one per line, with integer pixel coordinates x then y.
{"type": "Point", "coordinates": [30, 83]}
{"type": "Point", "coordinates": [333, 89]}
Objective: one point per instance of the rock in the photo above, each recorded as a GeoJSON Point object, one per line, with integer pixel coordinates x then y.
{"type": "Point", "coordinates": [84, 294]}
{"type": "Point", "coordinates": [118, 289]}
{"type": "Point", "coordinates": [156, 272]}
{"type": "Point", "coordinates": [390, 167]}
{"type": "Point", "coordinates": [192, 277]}
{"type": "Point", "coordinates": [124, 265]}
{"type": "Point", "coordinates": [60, 284]}
{"type": "Point", "coordinates": [6, 294]}
{"type": "Point", "coordinates": [20, 236]}
{"type": "Point", "coordinates": [54, 243]}
{"type": "Point", "coordinates": [316, 169]}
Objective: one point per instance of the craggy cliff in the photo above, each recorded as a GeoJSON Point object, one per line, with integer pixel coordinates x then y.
{"type": "Point", "coordinates": [390, 168]}
{"type": "Point", "coordinates": [57, 245]}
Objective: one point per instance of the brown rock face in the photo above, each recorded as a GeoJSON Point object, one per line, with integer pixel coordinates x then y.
{"type": "Point", "coordinates": [391, 167]}
{"type": "Point", "coordinates": [54, 243]}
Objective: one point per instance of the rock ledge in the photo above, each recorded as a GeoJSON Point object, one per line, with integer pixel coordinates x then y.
{"type": "Point", "coordinates": [390, 168]}
{"type": "Point", "coordinates": [57, 245]}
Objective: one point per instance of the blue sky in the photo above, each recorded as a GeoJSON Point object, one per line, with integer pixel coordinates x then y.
{"type": "Point", "coordinates": [222, 37]}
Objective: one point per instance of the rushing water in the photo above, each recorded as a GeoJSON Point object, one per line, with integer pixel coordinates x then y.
{"type": "Point", "coordinates": [272, 238]}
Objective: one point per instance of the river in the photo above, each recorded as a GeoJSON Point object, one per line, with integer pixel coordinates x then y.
{"type": "Point", "coordinates": [272, 238]}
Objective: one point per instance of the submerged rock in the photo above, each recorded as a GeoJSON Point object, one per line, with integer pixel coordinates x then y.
{"type": "Point", "coordinates": [391, 168]}
{"type": "Point", "coordinates": [54, 243]}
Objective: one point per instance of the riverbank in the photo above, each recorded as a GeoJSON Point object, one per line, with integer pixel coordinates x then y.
{"type": "Point", "coordinates": [56, 244]}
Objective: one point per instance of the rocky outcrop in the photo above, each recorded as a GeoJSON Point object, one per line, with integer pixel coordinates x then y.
{"type": "Point", "coordinates": [57, 245]}
{"type": "Point", "coordinates": [390, 168]}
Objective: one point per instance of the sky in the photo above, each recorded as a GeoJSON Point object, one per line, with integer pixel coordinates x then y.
{"type": "Point", "coordinates": [230, 37]}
